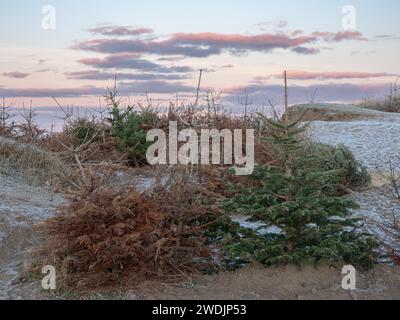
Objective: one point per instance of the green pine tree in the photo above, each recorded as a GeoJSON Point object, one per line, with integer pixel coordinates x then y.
{"type": "Point", "coordinates": [127, 126]}
{"type": "Point", "coordinates": [303, 219]}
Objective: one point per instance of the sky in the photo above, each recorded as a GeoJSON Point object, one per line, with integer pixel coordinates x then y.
{"type": "Point", "coordinates": [341, 50]}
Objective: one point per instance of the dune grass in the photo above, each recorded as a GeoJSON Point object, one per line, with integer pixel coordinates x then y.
{"type": "Point", "coordinates": [35, 164]}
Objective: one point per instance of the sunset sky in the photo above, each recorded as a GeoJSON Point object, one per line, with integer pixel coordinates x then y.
{"type": "Point", "coordinates": [159, 46]}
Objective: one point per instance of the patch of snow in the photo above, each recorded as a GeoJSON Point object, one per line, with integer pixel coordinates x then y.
{"type": "Point", "coordinates": [21, 206]}
{"type": "Point", "coordinates": [256, 226]}
{"type": "Point", "coordinates": [373, 142]}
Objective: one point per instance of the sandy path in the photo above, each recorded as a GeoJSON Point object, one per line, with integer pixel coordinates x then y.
{"type": "Point", "coordinates": [256, 282]}
{"type": "Point", "coordinates": [21, 206]}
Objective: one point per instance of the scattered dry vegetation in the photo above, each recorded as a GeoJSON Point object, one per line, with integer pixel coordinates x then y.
{"type": "Point", "coordinates": [105, 237]}
{"type": "Point", "coordinates": [105, 234]}
{"type": "Point", "coordinates": [332, 112]}
{"type": "Point", "coordinates": [390, 226]}
{"type": "Point", "coordinates": [391, 103]}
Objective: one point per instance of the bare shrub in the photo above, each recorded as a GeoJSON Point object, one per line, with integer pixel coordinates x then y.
{"type": "Point", "coordinates": [27, 130]}
{"type": "Point", "coordinates": [390, 103]}
{"type": "Point", "coordinates": [394, 176]}
{"type": "Point", "coordinates": [390, 227]}
{"type": "Point", "coordinates": [389, 224]}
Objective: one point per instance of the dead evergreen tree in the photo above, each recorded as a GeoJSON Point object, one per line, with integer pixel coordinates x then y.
{"type": "Point", "coordinates": [28, 130]}
{"type": "Point", "coordinates": [6, 125]}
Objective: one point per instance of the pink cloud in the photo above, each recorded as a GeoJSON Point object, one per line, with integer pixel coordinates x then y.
{"type": "Point", "coordinates": [205, 44]}
{"type": "Point", "coordinates": [340, 36]}
{"type": "Point", "coordinates": [238, 41]}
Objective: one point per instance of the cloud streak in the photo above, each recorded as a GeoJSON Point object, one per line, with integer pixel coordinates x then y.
{"type": "Point", "coordinates": [154, 87]}
{"type": "Point", "coordinates": [98, 75]}
{"type": "Point", "coordinates": [206, 44]}
{"type": "Point", "coordinates": [16, 75]}
{"type": "Point", "coordinates": [305, 50]}
{"type": "Point", "coordinates": [50, 92]}
{"type": "Point", "coordinates": [335, 75]}
{"type": "Point", "coordinates": [333, 92]}
{"type": "Point", "coordinates": [124, 88]}
{"type": "Point", "coordinates": [120, 31]}
{"type": "Point", "coordinates": [131, 61]}
{"type": "Point", "coordinates": [340, 36]}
